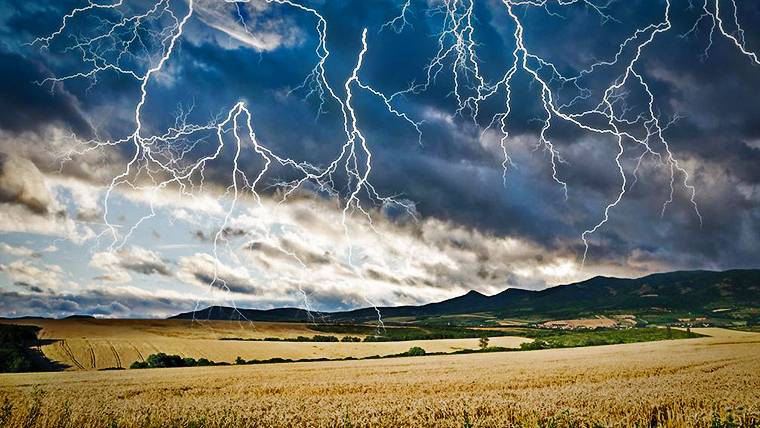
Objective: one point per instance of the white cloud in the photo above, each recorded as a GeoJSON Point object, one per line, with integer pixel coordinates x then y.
{"type": "Point", "coordinates": [23, 184]}
{"type": "Point", "coordinates": [39, 279]}
{"type": "Point", "coordinates": [29, 202]}
{"type": "Point", "coordinates": [202, 269]}
{"type": "Point", "coordinates": [17, 251]}
{"type": "Point", "coordinates": [117, 263]}
{"type": "Point", "coordinates": [18, 219]}
{"type": "Point", "coordinates": [302, 243]}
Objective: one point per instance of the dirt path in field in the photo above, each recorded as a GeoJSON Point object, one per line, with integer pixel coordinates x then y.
{"type": "Point", "coordinates": [115, 355]}
{"type": "Point", "coordinates": [137, 351]}
{"type": "Point", "coordinates": [66, 350]}
{"type": "Point", "coordinates": [90, 354]}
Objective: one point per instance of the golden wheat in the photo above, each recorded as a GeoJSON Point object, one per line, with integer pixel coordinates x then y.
{"type": "Point", "coordinates": [90, 344]}
{"type": "Point", "coordinates": [680, 383]}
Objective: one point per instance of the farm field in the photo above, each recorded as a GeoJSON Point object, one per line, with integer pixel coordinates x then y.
{"type": "Point", "coordinates": [90, 344]}
{"type": "Point", "coordinates": [691, 382]}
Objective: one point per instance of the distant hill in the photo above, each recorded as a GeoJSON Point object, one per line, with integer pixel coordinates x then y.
{"type": "Point", "coordinates": [698, 292]}
{"type": "Point", "coordinates": [227, 313]}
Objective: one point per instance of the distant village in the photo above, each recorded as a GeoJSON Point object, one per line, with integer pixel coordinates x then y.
{"type": "Point", "coordinates": [616, 322]}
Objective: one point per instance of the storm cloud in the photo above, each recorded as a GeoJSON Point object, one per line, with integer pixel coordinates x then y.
{"type": "Point", "coordinates": [473, 224]}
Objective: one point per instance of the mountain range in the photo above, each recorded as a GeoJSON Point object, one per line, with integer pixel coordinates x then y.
{"type": "Point", "coordinates": [693, 292]}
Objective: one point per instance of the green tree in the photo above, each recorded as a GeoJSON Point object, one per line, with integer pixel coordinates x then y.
{"type": "Point", "coordinates": [483, 343]}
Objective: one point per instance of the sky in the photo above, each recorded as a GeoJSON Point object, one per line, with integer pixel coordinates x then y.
{"type": "Point", "coordinates": [160, 157]}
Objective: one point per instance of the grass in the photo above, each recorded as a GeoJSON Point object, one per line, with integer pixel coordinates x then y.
{"type": "Point", "coordinates": [670, 383]}
{"type": "Point", "coordinates": [607, 337]}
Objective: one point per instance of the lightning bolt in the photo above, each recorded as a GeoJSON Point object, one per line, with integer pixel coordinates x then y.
{"type": "Point", "coordinates": [457, 48]}
{"type": "Point", "coordinates": [162, 160]}
{"type": "Point", "coordinates": [138, 45]}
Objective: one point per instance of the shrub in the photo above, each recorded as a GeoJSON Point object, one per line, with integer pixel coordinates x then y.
{"type": "Point", "coordinates": [164, 360]}
{"type": "Point", "coordinates": [415, 352]}
{"type": "Point", "coordinates": [202, 362]}
{"type": "Point", "coordinates": [350, 339]}
{"type": "Point", "coordinates": [536, 344]}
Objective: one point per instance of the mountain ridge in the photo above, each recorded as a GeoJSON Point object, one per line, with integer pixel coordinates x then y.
{"type": "Point", "coordinates": [698, 291]}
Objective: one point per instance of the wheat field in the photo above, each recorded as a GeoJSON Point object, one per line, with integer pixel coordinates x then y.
{"type": "Point", "coordinates": [705, 382]}
{"type": "Point", "coordinates": [92, 344]}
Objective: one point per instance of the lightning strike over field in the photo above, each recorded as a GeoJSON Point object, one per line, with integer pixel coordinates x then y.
{"type": "Point", "coordinates": [611, 98]}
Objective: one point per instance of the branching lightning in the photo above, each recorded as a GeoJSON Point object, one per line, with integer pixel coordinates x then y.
{"type": "Point", "coordinates": [457, 45]}
{"type": "Point", "coordinates": [139, 44]}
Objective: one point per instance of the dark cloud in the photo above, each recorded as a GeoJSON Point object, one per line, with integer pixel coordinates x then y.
{"type": "Point", "coordinates": [227, 233]}
{"type": "Point", "coordinates": [379, 276]}
{"type": "Point", "coordinates": [92, 301]}
{"type": "Point", "coordinates": [29, 287]}
{"type": "Point", "coordinates": [454, 177]}
{"type": "Point", "coordinates": [235, 285]}
{"type": "Point", "coordinates": [27, 106]}
{"type": "Point", "coordinates": [146, 267]}
{"type": "Point", "coordinates": [90, 216]}
{"type": "Point", "coordinates": [111, 309]}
